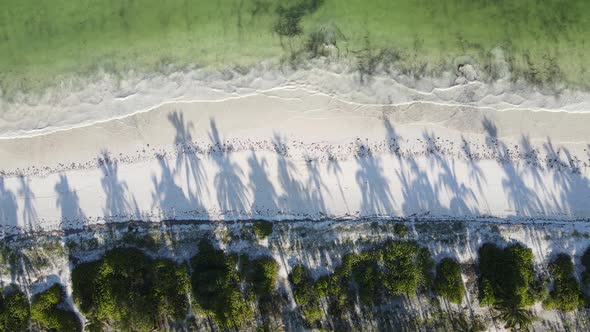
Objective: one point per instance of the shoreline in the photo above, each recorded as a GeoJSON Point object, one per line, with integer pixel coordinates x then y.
{"type": "Point", "coordinates": [107, 98]}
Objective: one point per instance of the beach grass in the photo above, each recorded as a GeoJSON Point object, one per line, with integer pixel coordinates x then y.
{"type": "Point", "coordinates": [40, 42]}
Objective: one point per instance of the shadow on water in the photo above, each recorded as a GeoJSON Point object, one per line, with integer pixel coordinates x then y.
{"type": "Point", "coordinates": [68, 202]}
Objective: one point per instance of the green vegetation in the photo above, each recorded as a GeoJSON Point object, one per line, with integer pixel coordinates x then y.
{"type": "Point", "coordinates": [400, 230]}
{"type": "Point", "coordinates": [261, 273]}
{"type": "Point", "coordinates": [130, 291]}
{"type": "Point", "coordinates": [565, 294]}
{"type": "Point", "coordinates": [543, 41]}
{"type": "Point", "coordinates": [305, 293]}
{"type": "Point", "coordinates": [262, 228]}
{"type": "Point", "coordinates": [515, 318]}
{"type": "Point", "coordinates": [507, 276]}
{"type": "Point", "coordinates": [227, 292]}
{"type": "Point", "coordinates": [509, 284]}
{"type": "Point", "coordinates": [289, 16]}
{"type": "Point", "coordinates": [216, 288]}
{"type": "Point", "coordinates": [395, 268]}
{"type": "Point", "coordinates": [14, 311]}
{"type": "Point", "coordinates": [448, 282]}
{"type": "Point", "coordinates": [47, 314]}
{"type": "Point", "coordinates": [407, 268]}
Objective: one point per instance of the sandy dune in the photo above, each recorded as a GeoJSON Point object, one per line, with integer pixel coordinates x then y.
{"type": "Point", "coordinates": [291, 153]}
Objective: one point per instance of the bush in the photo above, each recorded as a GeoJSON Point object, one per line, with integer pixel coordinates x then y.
{"type": "Point", "coordinates": [367, 274]}
{"type": "Point", "coordinates": [14, 312]}
{"type": "Point", "coordinates": [407, 268]}
{"type": "Point", "coordinates": [448, 282]}
{"type": "Point", "coordinates": [47, 312]}
{"type": "Point", "coordinates": [262, 275]}
{"type": "Point", "coordinates": [400, 230]}
{"type": "Point", "coordinates": [305, 294]}
{"type": "Point", "coordinates": [507, 275]}
{"type": "Point", "coordinates": [130, 290]}
{"type": "Point", "coordinates": [262, 228]}
{"type": "Point", "coordinates": [396, 267]}
{"type": "Point", "coordinates": [566, 294]}
{"type": "Point", "coordinates": [216, 282]}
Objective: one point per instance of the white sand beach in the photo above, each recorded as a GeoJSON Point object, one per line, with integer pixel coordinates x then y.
{"type": "Point", "coordinates": [308, 144]}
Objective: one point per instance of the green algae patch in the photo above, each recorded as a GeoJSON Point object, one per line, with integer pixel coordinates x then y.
{"type": "Point", "coordinates": [544, 42]}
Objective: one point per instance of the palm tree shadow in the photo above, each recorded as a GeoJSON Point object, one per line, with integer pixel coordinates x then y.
{"type": "Point", "coordinates": [8, 206]}
{"type": "Point", "coordinates": [119, 205]}
{"type": "Point", "coordinates": [231, 191]}
{"type": "Point", "coordinates": [333, 166]}
{"type": "Point", "coordinates": [29, 215]}
{"type": "Point", "coordinates": [295, 199]}
{"type": "Point", "coordinates": [167, 195]}
{"type": "Point", "coordinates": [376, 196]}
{"type": "Point", "coordinates": [188, 159]}
{"type": "Point", "coordinates": [264, 201]}
{"type": "Point", "coordinates": [68, 202]}
{"type": "Point", "coordinates": [522, 199]}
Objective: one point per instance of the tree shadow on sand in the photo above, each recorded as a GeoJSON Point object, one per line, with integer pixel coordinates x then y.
{"type": "Point", "coordinates": [68, 202]}
{"type": "Point", "coordinates": [231, 191]}
{"type": "Point", "coordinates": [29, 215]}
{"type": "Point", "coordinates": [119, 204]}
{"type": "Point", "coordinates": [187, 160]}
{"type": "Point", "coordinates": [448, 182]}
{"type": "Point", "coordinates": [304, 199]}
{"type": "Point", "coordinates": [167, 195]}
{"type": "Point", "coordinates": [264, 201]}
{"type": "Point", "coordinates": [522, 199]}
{"type": "Point", "coordinates": [8, 206]}
{"type": "Point", "coordinates": [376, 196]}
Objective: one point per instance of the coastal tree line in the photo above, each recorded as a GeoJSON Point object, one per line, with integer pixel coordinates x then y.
{"type": "Point", "coordinates": [128, 290]}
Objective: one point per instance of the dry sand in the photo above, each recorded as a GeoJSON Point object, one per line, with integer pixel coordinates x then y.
{"type": "Point", "coordinates": [307, 144]}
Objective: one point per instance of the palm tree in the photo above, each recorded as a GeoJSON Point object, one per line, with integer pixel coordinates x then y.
{"type": "Point", "coordinates": [516, 318]}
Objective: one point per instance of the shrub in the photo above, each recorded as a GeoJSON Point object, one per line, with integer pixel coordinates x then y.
{"type": "Point", "coordinates": [565, 294]}
{"type": "Point", "coordinates": [400, 230]}
{"type": "Point", "coordinates": [14, 312]}
{"type": "Point", "coordinates": [46, 311]}
{"type": "Point", "coordinates": [407, 268]}
{"type": "Point", "coordinates": [305, 294]}
{"type": "Point", "coordinates": [262, 228]}
{"type": "Point", "coordinates": [215, 282]}
{"type": "Point", "coordinates": [367, 274]}
{"type": "Point", "coordinates": [263, 275]}
{"type": "Point", "coordinates": [130, 290]}
{"type": "Point", "coordinates": [506, 275]}
{"type": "Point", "coordinates": [448, 282]}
